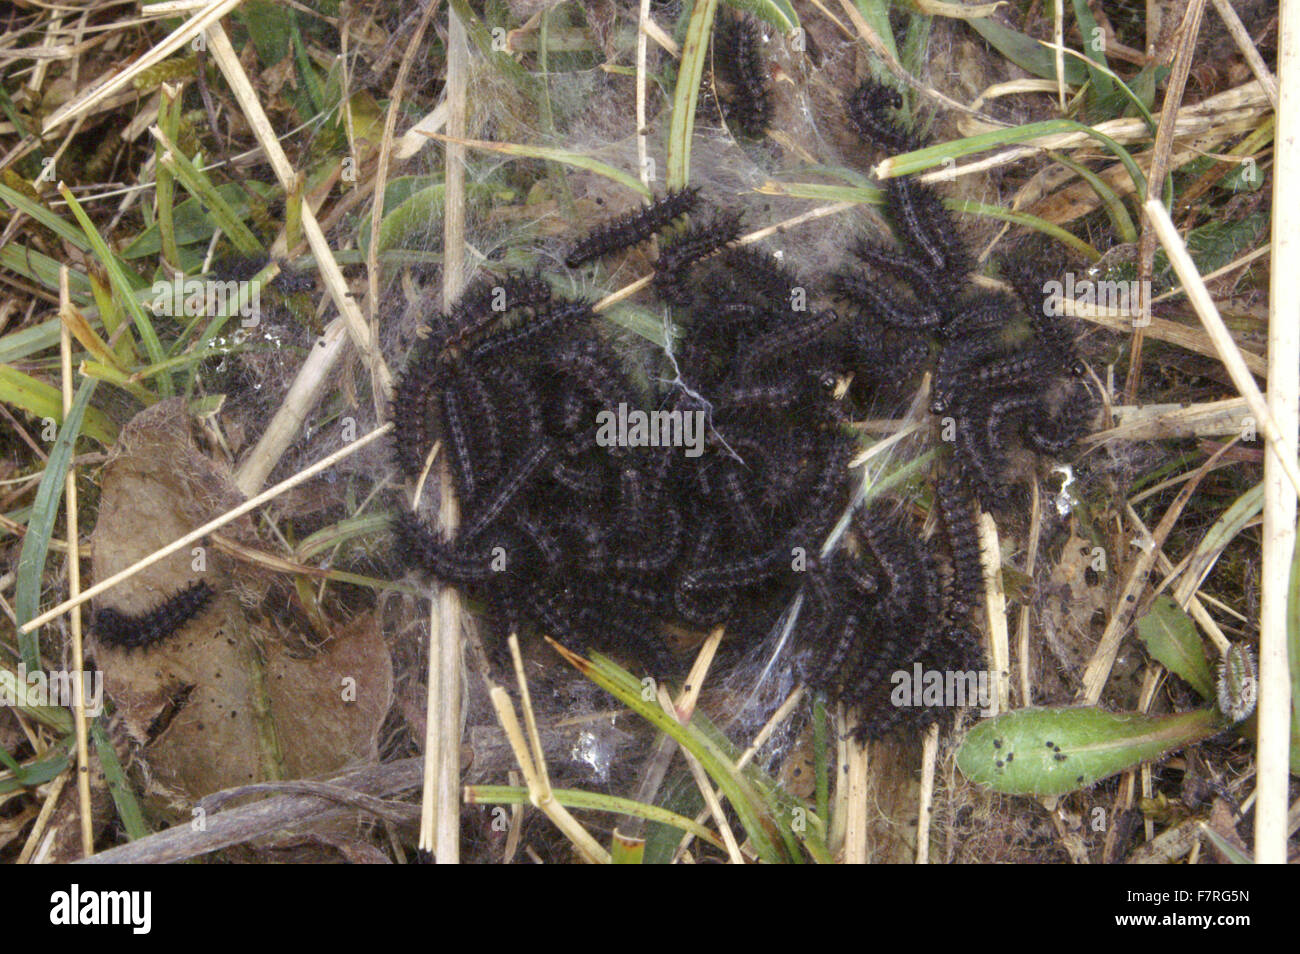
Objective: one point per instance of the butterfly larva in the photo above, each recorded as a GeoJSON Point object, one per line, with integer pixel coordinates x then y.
{"type": "Point", "coordinates": [1238, 684]}
{"type": "Point", "coordinates": [126, 631]}
{"type": "Point", "coordinates": [751, 106]}
{"type": "Point", "coordinates": [634, 227]}
{"type": "Point", "coordinates": [866, 111]}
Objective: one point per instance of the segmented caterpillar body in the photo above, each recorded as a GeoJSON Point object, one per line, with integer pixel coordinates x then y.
{"type": "Point", "coordinates": [142, 631]}
{"type": "Point", "coordinates": [634, 227]}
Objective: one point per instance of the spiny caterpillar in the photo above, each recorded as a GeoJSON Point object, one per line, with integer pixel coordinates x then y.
{"type": "Point", "coordinates": [124, 631]}
{"type": "Point", "coordinates": [739, 48]}
{"type": "Point", "coordinates": [633, 228]}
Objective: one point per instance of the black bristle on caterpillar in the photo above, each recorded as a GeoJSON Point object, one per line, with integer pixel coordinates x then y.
{"type": "Point", "coordinates": [967, 590]}
{"type": "Point", "coordinates": [125, 631]}
{"type": "Point", "coordinates": [740, 49]}
{"type": "Point", "coordinates": [927, 229]}
{"type": "Point", "coordinates": [866, 108]}
{"type": "Point", "coordinates": [701, 239]}
{"type": "Point", "coordinates": [634, 227]}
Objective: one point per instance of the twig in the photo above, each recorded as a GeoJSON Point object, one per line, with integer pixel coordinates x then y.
{"type": "Point", "coordinates": [533, 765]}
{"type": "Point", "coordinates": [643, 167]}
{"type": "Point", "coordinates": [929, 755]}
{"type": "Point", "coordinates": [445, 640]}
{"type": "Point", "coordinates": [856, 772]}
{"type": "Point", "coordinates": [1279, 503]}
{"type": "Point", "coordinates": [235, 826]}
{"type": "Point", "coordinates": [1022, 634]}
{"type": "Point", "coordinates": [1247, 47]}
{"type": "Point", "coordinates": [381, 168]}
{"type": "Point", "coordinates": [74, 586]}
{"type": "Point", "coordinates": [287, 424]}
{"type": "Point", "coordinates": [224, 55]}
{"type": "Point", "coordinates": [1280, 441]}
{"type": "Point", "coordinates": [1099, 666]}
{"type": "Point", "coordinates": [1164, 145]}
{"type": "Point", "coordinates": [995, 599]}
{"type": "Point", "coordinates": [209, 16]}
{"type": "Point", "coordinates": [705, 786]}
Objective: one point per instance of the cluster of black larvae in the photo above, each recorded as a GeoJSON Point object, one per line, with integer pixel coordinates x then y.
{"type": "Point", "coordinates": [601, 543]}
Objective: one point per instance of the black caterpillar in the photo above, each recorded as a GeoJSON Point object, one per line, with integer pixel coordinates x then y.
{"type": "Point", "coordinates": [125, 631]}
{"type": "Point", "coordinates": [739, 48]}
{"type": "Point", "coordinates": [633, 228]}
{"type": "Point", "coordinates": [601, 544]}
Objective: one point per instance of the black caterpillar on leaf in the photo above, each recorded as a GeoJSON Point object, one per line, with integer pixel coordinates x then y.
{"type": "Point", "coordinates": [115, 628]}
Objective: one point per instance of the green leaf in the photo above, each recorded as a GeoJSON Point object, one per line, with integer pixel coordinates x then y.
{"type": "Point", "coordinates": [687, 92]}
{"type": "Point", "coordinates": [43, 400]}
{"type": "Point", "coordinates": [1054, 751]}
{"type": "Point", "coordinates": [191, 222]}
{"type": "Point", "coordinates": [1171, 638]}
{"type": "Point", "coordinates": [1088, 29]}
{"type": "Point", "coordinates": [123, 287]}
{"type": "Point", "coordinates": [1028, 53]}
{"type": "Point", "coordinates": [410, 219]}
{"type": "Point", "coordinates": [779, 13]}
{"type": "Point", "coordinates": [55, 762]}
{"type": "Point", "coordinates": [40, 526]}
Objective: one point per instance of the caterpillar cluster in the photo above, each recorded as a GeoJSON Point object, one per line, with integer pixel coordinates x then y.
{"type": "Point", "coordinates": [602, 542]}
{"type": "Point", "coordinates": [125, 631]}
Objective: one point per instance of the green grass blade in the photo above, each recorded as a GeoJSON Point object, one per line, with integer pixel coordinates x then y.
{"type": "Point", "coordinates": [42, 269]}
{"type": "Point", "coordinates": [756, 818]}
{"type": "Point", "coordinates": [919, 160]}
{"type": "Point", "coordinates": [821, 759]}
{"type": "Point", "coordinates": [687, 92]}
{"type": "Point", "coordinates": [823, 192]}
{"type": "Point", "coordinates": [59, 226]}
{"type": "Point", "coordinates": [1064, 236]}
{"type": "Point", "coordinates": [1119, 216]}
{"type": "Point", "coordinates": [592, 801]}
{"type": "Point", "coordinates": [43, 400]}
{"type": "Point", "coordinates": [1293, 656]}
{"type": "Point", "coordinates": [40, 526]}
{"type": "Point", "coordinates": [128, 809]}
{"type": "Point", "coordinates": [575, 159]}
{"type": "Point", "coordinates": [197, 184]}
{"type": "Point", "coordinates": [779, 13]}
{"type": "Point", "coordinates": [124, 288]}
